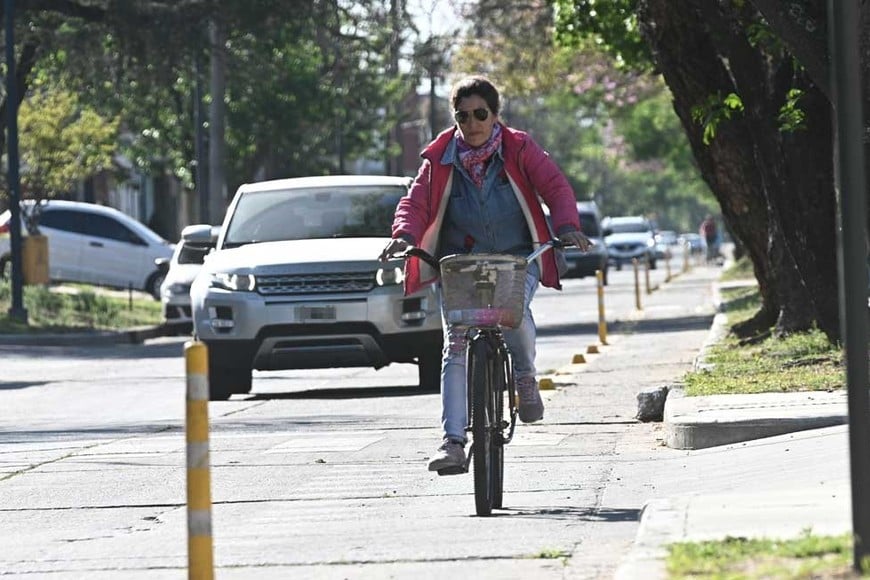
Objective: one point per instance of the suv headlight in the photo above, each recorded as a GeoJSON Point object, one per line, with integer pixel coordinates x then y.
{"type": "Point", "coordinates": [235, 282]}
{"type": "Point", "coordinates": [387, 276]}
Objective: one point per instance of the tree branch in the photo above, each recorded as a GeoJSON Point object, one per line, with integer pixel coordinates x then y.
{"type": "Point", "coordinates": [802, 26]}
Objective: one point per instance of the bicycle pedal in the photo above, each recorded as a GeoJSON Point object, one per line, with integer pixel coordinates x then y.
{"type": "Point", "coordinates": [457, 470]}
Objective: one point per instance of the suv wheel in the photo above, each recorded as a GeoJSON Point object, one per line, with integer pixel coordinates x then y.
{"type": "Point", "coordinates": [223, 382]}
{"type": "Point", "coordinates": [429, 370]}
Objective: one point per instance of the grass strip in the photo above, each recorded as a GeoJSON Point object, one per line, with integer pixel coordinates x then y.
{"type": "Point", "coordinates": [807, 556]}
{"type": "Point", "coordinates": [83, 308]}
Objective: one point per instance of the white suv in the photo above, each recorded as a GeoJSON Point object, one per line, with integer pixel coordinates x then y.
{"type": "Point", "coordinates": [295, 283]}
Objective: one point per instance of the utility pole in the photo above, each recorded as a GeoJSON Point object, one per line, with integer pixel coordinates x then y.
{"type": "Point", "coordinates": [201, 175]}
{"type": "Point", "coordinates": [17, 310]}
{"type": "Point", "coordinates": [844, 19]}
{"type": "Point", "coordinates": [217, 111]}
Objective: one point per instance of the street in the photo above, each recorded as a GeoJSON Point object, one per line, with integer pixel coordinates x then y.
{"type": "Point", "coordinates": [321, 474]}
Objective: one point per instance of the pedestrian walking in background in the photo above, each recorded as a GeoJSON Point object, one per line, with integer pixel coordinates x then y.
{"type": "Point", "coordinates": [710, 233]}
{"type": "Point", "coordinates": [477, 191]}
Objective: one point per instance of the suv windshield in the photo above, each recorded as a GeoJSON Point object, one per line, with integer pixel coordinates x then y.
{"type": "Point", "coordinates": [628, 227]}
{"type": "Point", "coordinates": [321, 212]}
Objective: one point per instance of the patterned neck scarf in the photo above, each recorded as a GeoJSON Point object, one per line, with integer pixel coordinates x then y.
{"type": "Point", "coordinates": [474, 158]}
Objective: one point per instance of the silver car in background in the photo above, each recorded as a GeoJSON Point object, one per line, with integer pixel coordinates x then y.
{"type": "Point", "coordinates": [181, 270]}
{"type": "Point", "coordinates": [295, 283]}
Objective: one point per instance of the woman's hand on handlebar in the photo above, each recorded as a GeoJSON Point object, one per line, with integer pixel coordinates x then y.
{"type": "Point", "coordinates": [393, 247]}
{"type": "Point", "coordinates": [576, 238]}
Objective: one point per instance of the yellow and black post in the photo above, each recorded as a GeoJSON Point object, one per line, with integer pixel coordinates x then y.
{"type": "Point", "coordinates": [200, 559]}
{"type": "Point", "coordinates": [602, 323]}
{"type": "Point", "coordinates": [636, 284]}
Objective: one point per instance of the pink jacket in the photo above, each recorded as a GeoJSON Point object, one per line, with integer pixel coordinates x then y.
{"type": "Point", "coordinates": [531, 173]}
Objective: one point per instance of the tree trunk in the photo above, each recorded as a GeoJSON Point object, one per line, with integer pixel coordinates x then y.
{"type": "Point", "coordinates": [774, 195]}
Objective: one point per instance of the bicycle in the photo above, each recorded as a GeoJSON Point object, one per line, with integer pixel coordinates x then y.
{"type": "Point", "coordinates": [485, 293]}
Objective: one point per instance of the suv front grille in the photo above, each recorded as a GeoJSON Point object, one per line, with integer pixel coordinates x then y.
{"type": "Point", "coordinates": [295, 284]}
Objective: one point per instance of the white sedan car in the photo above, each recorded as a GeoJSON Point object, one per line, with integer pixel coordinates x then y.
{"type": "Point", "coordinates": [94, 244]}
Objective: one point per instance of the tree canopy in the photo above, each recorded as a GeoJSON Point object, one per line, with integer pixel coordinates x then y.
{"type": "Point", "coordinates": [746, 88]}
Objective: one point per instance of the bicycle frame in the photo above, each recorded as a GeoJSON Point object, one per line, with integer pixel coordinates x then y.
{"type": "Point", "coordinates": [487, 379]}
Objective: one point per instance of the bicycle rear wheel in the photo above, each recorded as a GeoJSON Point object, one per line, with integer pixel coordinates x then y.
{"type": "Point", "coordinates": [482, 417]}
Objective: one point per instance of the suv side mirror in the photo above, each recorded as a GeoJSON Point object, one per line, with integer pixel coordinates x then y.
{"type": "Point", "coordinates": [606, 232]}
{"type": "Point", "coordinates": [201, 234]}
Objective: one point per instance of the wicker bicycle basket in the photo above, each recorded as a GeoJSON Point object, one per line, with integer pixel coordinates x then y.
{"type": "Point", "coordinates": [483, 290]}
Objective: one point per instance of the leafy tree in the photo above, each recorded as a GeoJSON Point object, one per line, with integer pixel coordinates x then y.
{"type": "Point", "coordinates": [62, 143]}
{"type": "Point", "coordinates": [759, 129]}
{"type": "Point", "coordinates": [307, 82]}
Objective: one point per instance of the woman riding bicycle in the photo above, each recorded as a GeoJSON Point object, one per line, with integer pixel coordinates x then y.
{"type": "Point", "coordinates": [478, 190]}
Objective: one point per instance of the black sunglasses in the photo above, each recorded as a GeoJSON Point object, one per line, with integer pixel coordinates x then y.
{"type": "Point", "coordinates": [462, 117]}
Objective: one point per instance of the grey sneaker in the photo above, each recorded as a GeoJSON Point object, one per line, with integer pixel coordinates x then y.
{"type": "Point", "coordinates": [531, 406]}
{"type": "Point", "coordinates": [450, 457]}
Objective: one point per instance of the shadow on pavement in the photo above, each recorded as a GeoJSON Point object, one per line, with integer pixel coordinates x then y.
{"type": "Point", "coordinates": [573, 513]}
{"type": "Point", "coordinates": [348, 393]}
{"type": "Point", "coordinates": [11, 386]}
{"type": "Point", "coordinates": [109, 351]}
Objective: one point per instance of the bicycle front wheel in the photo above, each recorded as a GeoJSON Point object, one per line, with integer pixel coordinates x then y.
{"type": "Point", "coordinates": [482, 419]}
{"type": "Point", "coordinates": [499, 370]}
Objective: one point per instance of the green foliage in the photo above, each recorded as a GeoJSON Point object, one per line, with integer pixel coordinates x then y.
{"type": "Point", "coordinates": [714, 111]}
{"type": "Point", "coordinates": [307, 84]}
{"type": "Point", "coordinates": [62, 142]}
{"type": "Point", "coordinates": [808, 556]}
{"type": "Point", "coordinates": [612, 24]}
{"type": "Point", "coordinates": [791, 117]}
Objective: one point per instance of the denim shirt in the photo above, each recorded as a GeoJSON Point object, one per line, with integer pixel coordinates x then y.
{"type": "Point", "coordinates": [488, 219]}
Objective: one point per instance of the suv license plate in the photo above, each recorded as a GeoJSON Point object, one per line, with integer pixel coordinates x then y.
{"type": "Point", "coordinates": [312, 313]}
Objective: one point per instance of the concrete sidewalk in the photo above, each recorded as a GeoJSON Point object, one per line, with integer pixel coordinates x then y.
{"type": "Point", "coordinates": [795, 445]}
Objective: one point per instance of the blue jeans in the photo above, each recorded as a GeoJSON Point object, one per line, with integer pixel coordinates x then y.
{"type": "Point", "coordinates": [520, 341]}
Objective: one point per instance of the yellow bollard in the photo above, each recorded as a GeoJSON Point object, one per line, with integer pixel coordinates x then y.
{"type": "Point", "coordinates": [602, 324]}
{"type": "Point", "coordinates": [686, 249]}
{"type": "Point", "coordinates": [636, 285]}
{"type": "Point", "coordinates": [592, 349]}
{"type": "Point", "coordinates": [578, 359]}
{"type": "Point", "coordinates": [646, 274]}
{"type": "Point", "coordinates": [546, 384]}
{"type": "Point", "coordinates": [668, 265]}
{"type": "Point", "coordinates": [200, 560]}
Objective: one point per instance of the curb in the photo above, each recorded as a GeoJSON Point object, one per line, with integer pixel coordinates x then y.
{"type": "Point", "coordinates": [712, 420]}
{"type": "Point", "coordinates": [136, 335]}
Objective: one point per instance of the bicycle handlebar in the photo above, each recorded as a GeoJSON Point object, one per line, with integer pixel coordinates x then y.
{"type": "Point", "coordinates": [434, 262]}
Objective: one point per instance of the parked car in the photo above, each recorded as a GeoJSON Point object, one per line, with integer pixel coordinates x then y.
{"type": "Point", "coordinates": [630, 237]}
{"type": "Point", "coordinates": [695, 243]}
{"type": "Point", "coordinates": [295, 283]}
{"type": "Point", "coordinates": [94, 244]}
{"type": "Point", "coordinates": [582, 264]}
{"type": "Point", "coordinates": [187, 259]}
{"type": "Point", "coordinates": [665, 241]}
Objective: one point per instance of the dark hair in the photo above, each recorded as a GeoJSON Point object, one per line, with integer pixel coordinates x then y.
{"type": "Point", "coordinates": [476, 85]}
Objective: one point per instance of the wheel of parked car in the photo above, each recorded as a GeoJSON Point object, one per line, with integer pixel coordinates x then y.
{"type": "Point", "coordinates": [154, 283]}
{"type": "Point", "coordinates": [429, 370]}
